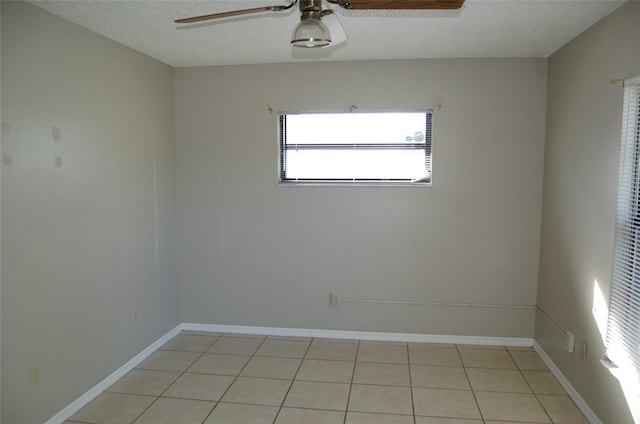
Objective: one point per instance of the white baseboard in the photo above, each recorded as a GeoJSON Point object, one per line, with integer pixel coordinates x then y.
{"type": "Point", "coordinates": [96, 390]}
{"type": "Point", "coordinates": [568, 387]}
{"type": "Point", "coordinates": [361, 335]}
{"type": "Point", "coordinates": [92, 393]}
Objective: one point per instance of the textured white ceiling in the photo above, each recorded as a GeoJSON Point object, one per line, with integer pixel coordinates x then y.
{"type": "Point", "coordinates": [481, 28]}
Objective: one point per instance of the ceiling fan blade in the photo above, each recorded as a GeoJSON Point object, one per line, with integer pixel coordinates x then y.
{"type": "Point", "coordinates": [400, 4]}
{"type": "Point", "coordinates": [278, 8]}
{"type": "Point", "coordinates": [330, 19]}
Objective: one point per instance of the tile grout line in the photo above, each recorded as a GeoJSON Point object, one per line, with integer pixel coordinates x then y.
{"type": "Point", "coordinates": [235, 378]}
{"type": "Point", "coordinates": [201, 356]}
{"type": "Point", "coordinates": [353, 373]}
{"type": "Point", "coordinates": [217, 338]}
{"type": "Point", "coordinates": [531, 388]}
{"type": "Point", "coordinates": [177, 378]}
{"type": "Point", "coordinates": [473, 392]}
{"type": "Point", "coordinates": [292, 381]}
{"type": "Point", "coordinates": [413, 403]}
{"type": "Point", "coordinates": [185, 371]}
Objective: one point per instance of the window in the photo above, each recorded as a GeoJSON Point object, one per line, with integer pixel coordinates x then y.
{"type": "Point", "coordinates": [355, 147]}
{"type": "Point", "coordinates": [623, 328]}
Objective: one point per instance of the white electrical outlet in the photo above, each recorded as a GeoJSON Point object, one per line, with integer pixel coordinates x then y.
{"type": "Point", "coordinates": [35, 375]}
{"type": "Point", "coordinates": [335, 300]}
{"type": "Point", "coordinates": [570, 342]}
{"type": "Point", "coordinates": [583, 351]}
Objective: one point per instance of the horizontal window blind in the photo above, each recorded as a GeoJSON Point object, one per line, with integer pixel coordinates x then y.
{"type": "Point", "coordinates": [623, 328]}
{"type": "Point", "coordinates": [376, 147]}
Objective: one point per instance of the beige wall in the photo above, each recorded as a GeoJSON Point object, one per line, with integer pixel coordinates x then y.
{"type": "Point", "coordinates": [87, 244]}
{"type": "Point", "coordinates": [79, 241]}
{"type": "Point", "coordinates": [581, 173]}
{"type": "Point", "coordinates": [255, 253]}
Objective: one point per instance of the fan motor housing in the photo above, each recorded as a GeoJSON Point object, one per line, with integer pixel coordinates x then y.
{"type": "Point", "coordinates": [310, 5]}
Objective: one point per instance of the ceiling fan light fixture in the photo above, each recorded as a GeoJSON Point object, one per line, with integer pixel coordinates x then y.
{"type": "Point", "coordinates": [311, 32]}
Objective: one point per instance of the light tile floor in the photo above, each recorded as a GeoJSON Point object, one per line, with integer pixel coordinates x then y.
{"type": "Point", "coordinates": [207, 378]}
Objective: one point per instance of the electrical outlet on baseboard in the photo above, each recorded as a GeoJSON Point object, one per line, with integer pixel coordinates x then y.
{"type": "Point", "coordinates": [35, 375]}
{"type": "Point", "coordinates": [570, 342]}
{"type": "Point", "coordinates": [583, 351]}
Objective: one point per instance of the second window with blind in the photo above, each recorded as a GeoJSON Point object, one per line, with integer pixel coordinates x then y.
{"type": "Point", "coordinates": [623, 331]}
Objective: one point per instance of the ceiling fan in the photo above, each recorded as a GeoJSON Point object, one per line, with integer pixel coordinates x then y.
{"type": "Point", "coordinates": [312, 32]}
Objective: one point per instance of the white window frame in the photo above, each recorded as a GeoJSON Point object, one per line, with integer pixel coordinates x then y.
{"type": "Point", "coordinates": [425, 145]}
{"type": "Point", "coordinates": [623, 325]}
